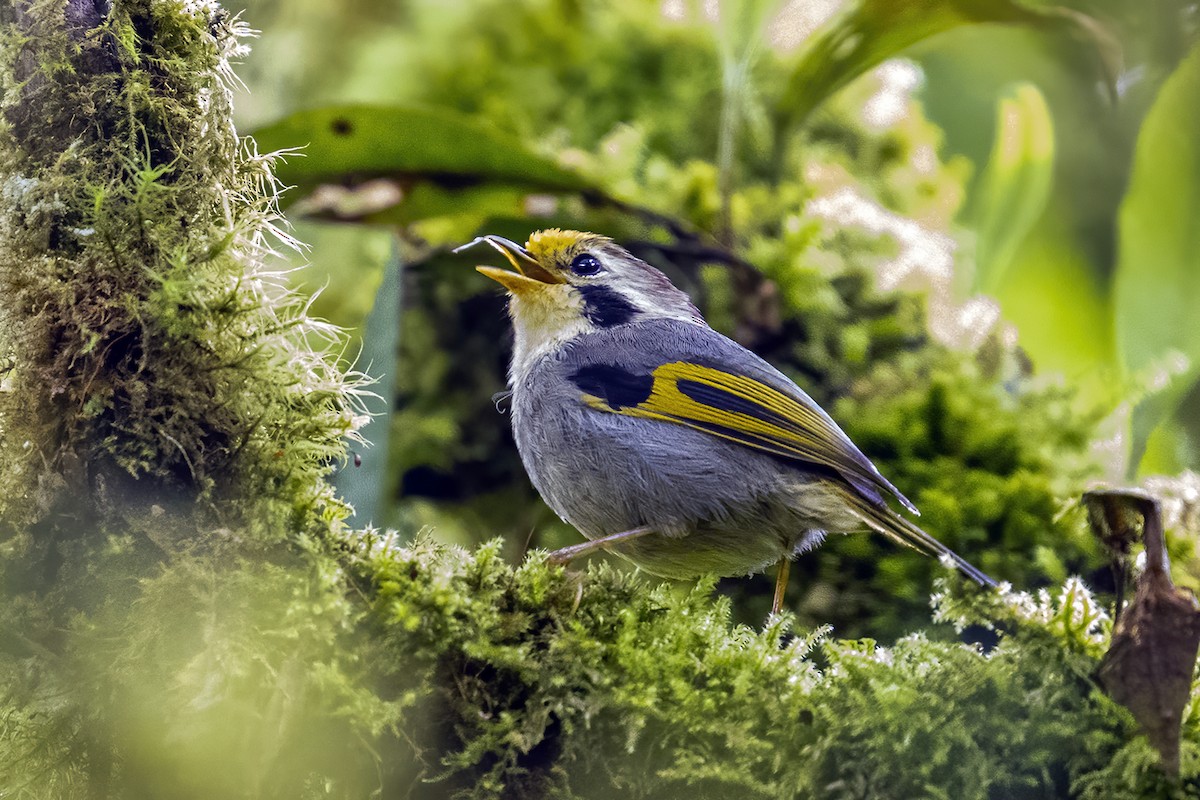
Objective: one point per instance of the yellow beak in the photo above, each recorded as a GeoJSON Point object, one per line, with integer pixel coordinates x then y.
{"type": "Point", "coordinates": [529, 276]}
{"type": "Point", "coordinates": [515, 282]}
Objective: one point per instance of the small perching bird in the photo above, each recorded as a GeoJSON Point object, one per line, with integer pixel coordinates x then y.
{"type": "Point", "coordinates": [664, 441]}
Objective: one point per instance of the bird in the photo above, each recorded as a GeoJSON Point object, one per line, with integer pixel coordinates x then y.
{"type": "Point", "coordinates": [664, 441]}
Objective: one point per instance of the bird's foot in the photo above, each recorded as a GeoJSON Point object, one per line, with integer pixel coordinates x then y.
{"type": "Point", "coordinates": [566, 555]}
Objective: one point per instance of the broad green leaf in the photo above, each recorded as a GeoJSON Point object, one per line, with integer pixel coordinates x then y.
{"type": "Point", "coordinates": [429, 201]}
{"type": "Point", "coordinates": [362, 141]}
{"type": "Point", "coordinates": [1015, 184]}
{"type": "Point", "coordinates": [871, 31]}
{"type": "Point", "coordinates": [1053, 297]}
{"type": "Point", "coordinates": [1166, 450]}
{"type": "Point", "coordinates": [341, 267]}
{"type": "Point", "coordinates": [1156, 302]}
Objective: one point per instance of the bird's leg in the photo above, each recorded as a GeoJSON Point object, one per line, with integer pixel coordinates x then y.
{"type": "Point", "coordinates": [566, 555]}
{"type": "Point", "coordinates": [781, 581]}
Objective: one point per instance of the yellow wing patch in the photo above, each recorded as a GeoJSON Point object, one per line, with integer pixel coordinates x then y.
{"type": "Point", "coordinates": [748, 411]}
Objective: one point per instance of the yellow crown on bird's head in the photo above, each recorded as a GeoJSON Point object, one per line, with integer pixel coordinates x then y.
{"type": "Point", "coordinates": [555, 246]}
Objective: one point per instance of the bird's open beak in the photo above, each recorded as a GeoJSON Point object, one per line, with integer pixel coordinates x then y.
{"type": "Point", "coordinates": [529, 275]}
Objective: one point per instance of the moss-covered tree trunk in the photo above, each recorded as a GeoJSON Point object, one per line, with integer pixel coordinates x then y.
{"type": "Point", "coordinates": [151, 361]}
{"type": "Point", "coordinates": [165, 421]}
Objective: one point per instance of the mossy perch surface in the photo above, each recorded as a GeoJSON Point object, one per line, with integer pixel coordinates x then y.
{"type": "Point", "coordinates": [542, 683]}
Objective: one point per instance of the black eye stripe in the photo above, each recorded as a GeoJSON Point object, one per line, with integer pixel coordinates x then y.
{"type": "Point", "coordinates": [586, 264]}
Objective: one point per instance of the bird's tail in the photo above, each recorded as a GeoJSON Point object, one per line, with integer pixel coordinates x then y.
{"type": "Point", "coordinates": [883, 520]}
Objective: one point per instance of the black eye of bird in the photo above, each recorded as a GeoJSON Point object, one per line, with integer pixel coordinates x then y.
{"type": "Point", "coordinates": [585, 264]}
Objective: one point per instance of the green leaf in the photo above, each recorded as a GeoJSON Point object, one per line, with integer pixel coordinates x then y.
{"type": "Point", "coordinates": [429, 201]}
{"type": "Point", "coordinates": [1157, 280]}
{"type": "Point", "coordinates": [1061, 309]}
{"type": "Point", "coordinates": [872, 31]}
{"type": "Point", "coordinates": [363, 482]}
{"type": "Point", "coordinates": [363, 141]}
{"type": "Point", "coordinates": [1015, 184]}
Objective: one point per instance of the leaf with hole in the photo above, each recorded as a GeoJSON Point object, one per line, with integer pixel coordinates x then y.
{"type": "Point", "coordinates": [344, 144]}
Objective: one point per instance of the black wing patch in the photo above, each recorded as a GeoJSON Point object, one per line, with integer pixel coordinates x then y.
{"type": "Point", "coordinates": [618, 388]}
{"type": "Point", "coordinates": [723, 399]}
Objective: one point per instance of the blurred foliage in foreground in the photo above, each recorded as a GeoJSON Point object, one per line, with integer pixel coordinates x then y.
{"type": "Point", "coordinates": [187, 613]}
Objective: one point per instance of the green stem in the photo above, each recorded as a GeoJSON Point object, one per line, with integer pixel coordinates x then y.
{"type": "Point", "coordinates": [730, 123]}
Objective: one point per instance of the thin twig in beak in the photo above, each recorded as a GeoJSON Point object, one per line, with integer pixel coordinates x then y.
{"type": "Point", "coordinates": [517, 256]}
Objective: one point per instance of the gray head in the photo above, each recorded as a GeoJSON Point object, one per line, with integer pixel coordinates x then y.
{"type": "Point", "coordinates": [569, 283]}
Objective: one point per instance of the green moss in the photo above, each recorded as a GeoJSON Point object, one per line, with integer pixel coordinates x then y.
{"type": "Point", "coordinates": [451, 673]}
{"type": "Point", "coordinates": [597, 685]}
{"type": "Point", "coordinates": [205, 677]}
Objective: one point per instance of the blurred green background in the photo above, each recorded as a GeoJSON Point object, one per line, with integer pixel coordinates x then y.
{"type": "Point", "coordinates": [967, 227]}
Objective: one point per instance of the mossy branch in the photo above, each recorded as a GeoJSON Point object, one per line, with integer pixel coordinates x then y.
{"type": "Point", "coordinates": [545, 683]}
